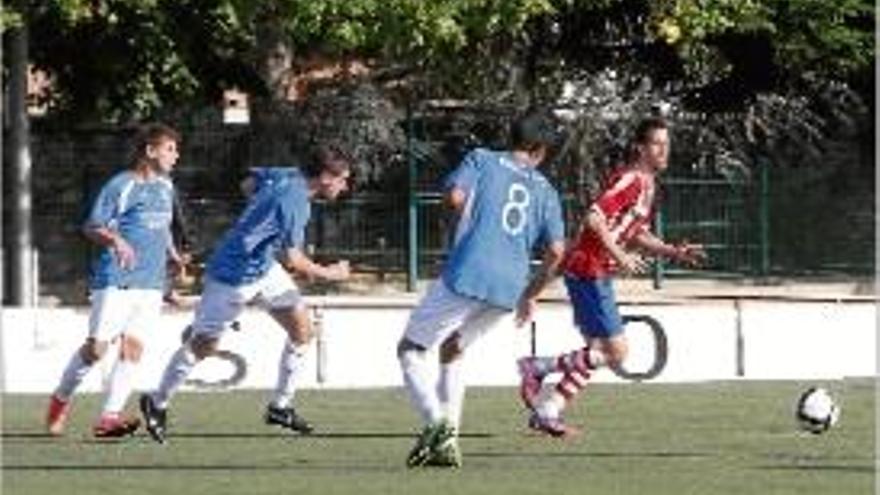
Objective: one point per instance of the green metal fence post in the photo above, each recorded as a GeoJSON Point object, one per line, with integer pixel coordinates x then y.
{"type": "Point", "coordinates": [658, 265]}
{"type": "Point", "coordinates": [412, 274]}
{"type": "Point", "coordinates": [764, 219]}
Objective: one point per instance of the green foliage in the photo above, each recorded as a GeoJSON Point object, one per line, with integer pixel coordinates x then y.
{"type": "Point", "coordinates": [831, 37]}
{"type": "Point", "coordinates": [123, 59]}
{"type": "Point", "coordinates": [146, 54]}
{"type": "Point", "coordinates": [395, 28]}
{"type": "Point", "coordinates": [9, 18]}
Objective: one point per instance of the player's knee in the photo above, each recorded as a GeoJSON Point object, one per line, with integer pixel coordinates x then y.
{"type": "Point", "coordinates": [131, 349]}
{"type": "Point", "coordinates": [450, 349]}
{"type": "Point", "coordinates": [302, 335]}
{"type": "Point", "coordinates": [616, 353]}
{"type": "Point", "coordinates": [203, 346]}
{"type": "Point", "coordinates": [93, 350]}
{"type": "Point", "coordinates": [297, 324]}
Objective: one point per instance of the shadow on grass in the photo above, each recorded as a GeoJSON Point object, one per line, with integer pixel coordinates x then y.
{"type": "Point", "coordinates": [298, 464]}
{"type": "Point", "coordinates": [855, 469]}
{"type": "Point", "coordinates": [341, 435]}
{"type": "Point", "coordinates": [544, 455]}
{"type": "Point", "coordinates": [336, 435]}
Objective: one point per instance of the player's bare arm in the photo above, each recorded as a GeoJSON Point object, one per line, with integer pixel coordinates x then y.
{"type": "Point", "coordinates": [683, 252]}
{"type": "Point", "coordinates": [105, 236]}
{"type": "Point", "coordinates": [296, 261]}
{"type": "Point", "coordinates": [548, 271]}
{"type": "Point", "coordinates": [455, 200]}
{"type": "Point", "coordinates": [629, 263]}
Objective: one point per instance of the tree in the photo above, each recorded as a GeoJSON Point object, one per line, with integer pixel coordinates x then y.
{"type": "Point", "coordinates": [147, 54]}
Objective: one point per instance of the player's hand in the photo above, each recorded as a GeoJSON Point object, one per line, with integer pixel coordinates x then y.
{"type": "Point", "coordinates": [124, 253]}
{"type": "Point", "coordinates": [632, 264]}
{"type": "Point", "coordinates": [690, 254]}
{"type": "Point", "coordinates": [525, 311]}
{"type": "Point", "coordinates": [339, 271]}
{"type": "Point", "coordinates": [178, 263]}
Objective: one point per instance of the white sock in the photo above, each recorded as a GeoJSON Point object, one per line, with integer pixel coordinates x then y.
{"type": "Point", "coordinates": [451, 391]}
{"type": "Point", "coordinates": [178, 368]}
{"type": "Point", "coordinates": [121, 379]}
{"type": "Point", "coordinates": [416, 379]}
{"type": "Point", "coordinates": [597, 359]}
{"type": "Point", "coordinates": [290, 368]}
{"type": "Point", "coordinates": [551, 403]}
{"type": "Point", "coordinates": [544, 365]}
{"type": "Point", "coordinates": [73, 375]}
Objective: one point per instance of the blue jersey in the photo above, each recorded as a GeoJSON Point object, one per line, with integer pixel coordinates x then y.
{"type": "Point", "coordinates": [272, 176]}
{"type": "Point", "coordinates": [274, 220]}
{"type": "Point", "coordinates": [140, 210]}
{"type": "Point", "coordinates": [510, 209]}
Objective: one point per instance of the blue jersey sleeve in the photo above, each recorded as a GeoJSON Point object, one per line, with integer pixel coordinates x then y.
{"type": "Point", "coordinates": [293, 216]}
{"type": "Point", "coordinates": [466, 175]}
{"type": "Point", "coordinates": [554, 227]}
{"type": "Point", "coordinates": [106, 207]}
{"type": "Point", "coordinates": [268, 176]}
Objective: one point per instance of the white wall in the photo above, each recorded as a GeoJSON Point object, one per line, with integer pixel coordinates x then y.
{"type": "Point", "coordinates": [779, 340]}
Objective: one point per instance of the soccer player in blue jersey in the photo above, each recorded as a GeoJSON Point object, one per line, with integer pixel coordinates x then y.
{"type": "Point", "coordinates": [251, 263]}
{"type": "Point", "coordinates": [130, 222]}
{"type": "Point", "coordinates": [505, 209]}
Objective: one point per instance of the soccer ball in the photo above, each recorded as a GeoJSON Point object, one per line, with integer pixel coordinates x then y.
{"type": "Point", "coordinates": [816, 410]}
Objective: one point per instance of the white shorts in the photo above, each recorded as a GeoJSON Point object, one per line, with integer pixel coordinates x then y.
{"type": "Point", "coordinates": [221, 303]}
{"type": "Point", "coordinates": [442, 312]}
{"type": "Point", "coordinates": [129, 311]}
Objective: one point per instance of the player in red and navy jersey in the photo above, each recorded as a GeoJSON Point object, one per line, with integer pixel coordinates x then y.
{"type": "Point", "coordinates": [612, 238]}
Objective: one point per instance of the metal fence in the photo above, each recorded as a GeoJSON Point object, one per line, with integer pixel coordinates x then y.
{"type": "Point", "coordinates": [373, 231]}
{"type": "Point", "coordinates": [780, 222]}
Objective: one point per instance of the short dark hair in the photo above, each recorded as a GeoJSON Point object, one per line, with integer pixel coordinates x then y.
{"type": "Point", "coordinates": [151, 135]}
{"type": "Point", "coordinates": [646, 126]}
{"type": "Point", "coordinates": [328, 156]}
{"type": "Point", "coordinates": [532, 130]}
{"type": "Point", "coordinates": [642, 133]}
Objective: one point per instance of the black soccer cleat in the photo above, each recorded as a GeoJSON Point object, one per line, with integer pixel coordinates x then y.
{"type": "Point", "coordinates": [286, 417]}
{"type": "Point", "coordinates": [154, 418]}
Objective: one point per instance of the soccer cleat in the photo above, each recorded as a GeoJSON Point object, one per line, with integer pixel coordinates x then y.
{"type": "Point", "coordinates": [155, 419]}
{"type": "Point", "coordinates": [530, 381]}
{"type": "Point", "coordinates": [444, 450]}
{"type": "Point", "coordinates": [56, 415]}
{"type": "Point", "coordinates": [421, 451]}
{"type": "Point", "coordinates": [554, 427]}
{"type": "Point", "coordinates": [115, 426]}
{"type": "Point", "coordinates": [448, 457]}
{"type": "Point", "coordinates": [286, 417]}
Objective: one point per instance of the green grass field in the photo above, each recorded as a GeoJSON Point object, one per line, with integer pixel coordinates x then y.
{"type": "Point", "coordinates": [712, 438]}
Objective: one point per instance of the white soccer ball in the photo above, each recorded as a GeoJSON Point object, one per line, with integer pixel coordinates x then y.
{"type": "Point", "coordinates": [816, 410]}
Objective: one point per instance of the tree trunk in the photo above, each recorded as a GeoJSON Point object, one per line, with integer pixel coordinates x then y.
{"type": "Point", "coordinates": [274, 52]}
{"type": "Point", "coordinates": [21, 280]}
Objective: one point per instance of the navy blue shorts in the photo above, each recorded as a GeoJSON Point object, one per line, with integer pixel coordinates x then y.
{"type": "Point", "coordinates": [595, 307]}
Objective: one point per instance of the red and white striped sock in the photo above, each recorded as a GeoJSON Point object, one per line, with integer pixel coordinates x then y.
{"type": "Point", "coordinates": [585, 358]}
{"type": "Point", "coordinates": [572, 382]}
{"type": "Point", "coordinates": [575, 367]}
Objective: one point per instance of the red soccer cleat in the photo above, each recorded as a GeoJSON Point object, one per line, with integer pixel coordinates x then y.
{"type": "Point", "coordinates": [530, 381]}
{"type": "Point", "coordinates": [56, 415]}
{"type": "Point", "coordinates": [115, 426]}
{"type": "Point", "coordinates": [554, 427]}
